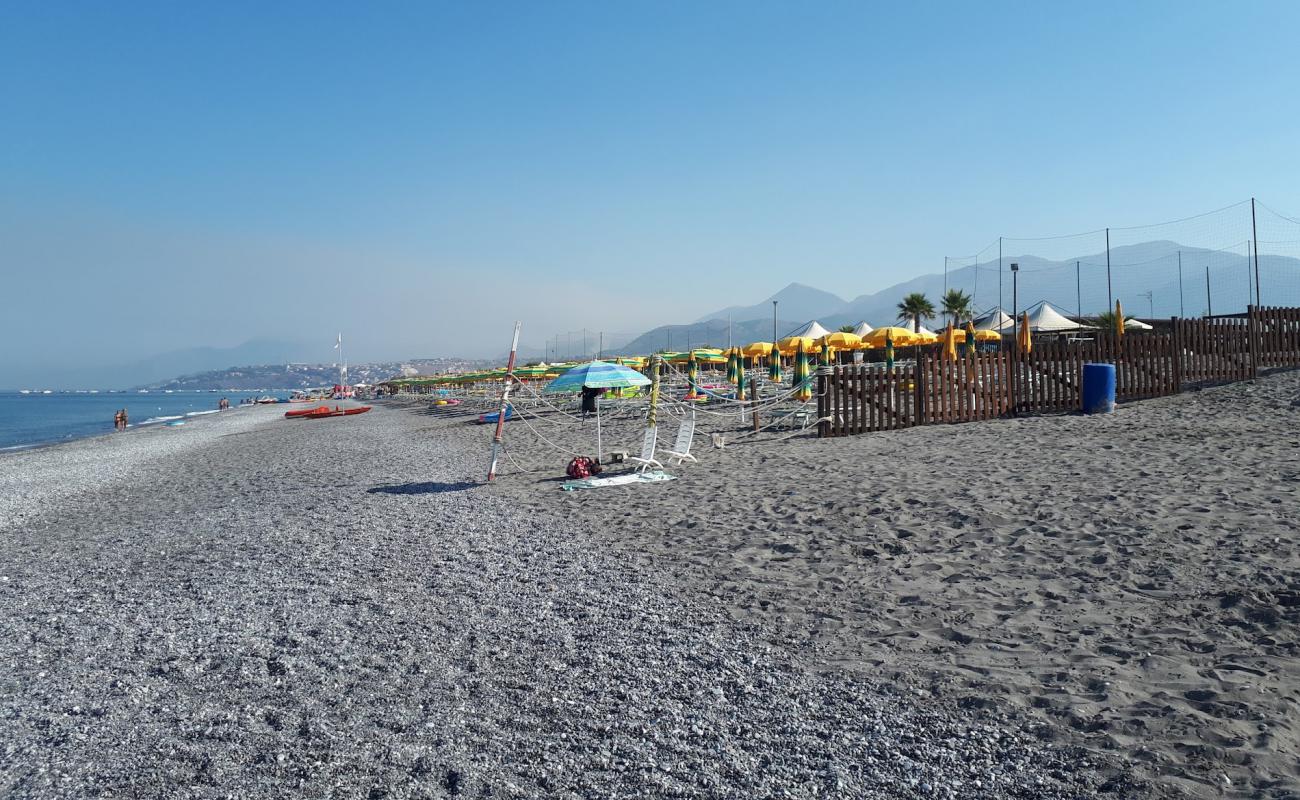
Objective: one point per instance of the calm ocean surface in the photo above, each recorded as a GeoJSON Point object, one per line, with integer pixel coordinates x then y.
{"type": "Point", "coordinates": [27, 420]}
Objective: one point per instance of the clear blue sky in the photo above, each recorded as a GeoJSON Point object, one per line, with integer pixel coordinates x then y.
{"type": "Point", "coordinates": [180, 174]}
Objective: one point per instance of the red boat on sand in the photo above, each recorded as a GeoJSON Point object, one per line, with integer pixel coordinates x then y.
{"type": "Point", "coordinates": [321, 412]}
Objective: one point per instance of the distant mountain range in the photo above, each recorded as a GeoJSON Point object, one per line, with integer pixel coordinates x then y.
{"type": "Point", "coordinates": [305, 376]}
{"type": "Point", "coordinates": [1072, 285]}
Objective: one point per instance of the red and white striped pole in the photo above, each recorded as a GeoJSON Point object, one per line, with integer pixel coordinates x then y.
{"type": "Point", "coordinates": [505, 403]}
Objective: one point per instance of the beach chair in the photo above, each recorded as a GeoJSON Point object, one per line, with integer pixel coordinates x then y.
{"type": "Point", "coordinates": [647, 458]}
{"type": "Point", "coordinates": [681, 450]}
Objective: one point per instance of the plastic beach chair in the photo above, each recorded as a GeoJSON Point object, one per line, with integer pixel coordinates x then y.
{"type": "Point", "coordinates": [681, 450]}
{"type": "Point", "coordinates": [647, 457]}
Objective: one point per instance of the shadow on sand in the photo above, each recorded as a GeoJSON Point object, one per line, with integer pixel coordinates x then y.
{"type": "Point", "coordinates": [427, 487]}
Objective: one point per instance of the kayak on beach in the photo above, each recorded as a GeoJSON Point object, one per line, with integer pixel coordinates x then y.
{"type": "Point", "coordinates": [321, 412]}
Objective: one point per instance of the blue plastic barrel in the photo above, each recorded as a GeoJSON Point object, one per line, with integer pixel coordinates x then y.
{"type": "Point", "coordinates": [1098, 393]}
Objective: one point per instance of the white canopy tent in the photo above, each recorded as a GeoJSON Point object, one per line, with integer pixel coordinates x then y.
{"type": "Point", "coordinates": [995, 320]}
{"type": "Point", "coordinates": [1046, 319]}
{"type": "Point", "coordinates": [1136, 325]}
{"type": "Point", "coordinates": [812, 330]}
{"type": "Point", "coordinates": [862, 329]}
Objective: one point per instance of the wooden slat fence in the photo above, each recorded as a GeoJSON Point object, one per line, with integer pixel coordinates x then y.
{"type": "Point", "coordinates": [1277, 335]}
{"type": "Point", "coordinates": [862, 398]}
{"type": "Point", "coordinates": [1213, 350]}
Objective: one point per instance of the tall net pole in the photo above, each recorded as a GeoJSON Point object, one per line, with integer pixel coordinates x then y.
{"type": "Point", "coordinates": [505, 404]}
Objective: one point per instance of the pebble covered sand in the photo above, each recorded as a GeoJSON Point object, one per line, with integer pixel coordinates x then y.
{"type": "Point", "coordinates": [249, 607]}
{"type": "Point", "coordinates": [1130, 583]}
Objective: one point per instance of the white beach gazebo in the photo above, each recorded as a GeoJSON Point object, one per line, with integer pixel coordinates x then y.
{"type": "Point", "coordinates": [811, 330]}
{"type": "Point", "coordinates": [995, 320]}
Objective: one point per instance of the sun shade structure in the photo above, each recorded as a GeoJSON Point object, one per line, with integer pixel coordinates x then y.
{"type": "Point", "coordinates": [899, 336]}
{"type": "Point", "coordinates": [792, 344]}
{"type": "Point", "coordinates": [1024, 336]}
{"type": "Point", "coordinates": [862, 329]}
{"type": "Point", "coordinates": [597, 375]}
{"type": "Point", "coordinates": [1046, 319]}
{"type": "Point", "coordinates": [703, 356]}
{"type": "Point", "coordinates": [841, 341]}
{"type": "Point", "coordinates": [802, 375]}
{"type": "Point", "coordinates": [1137, 325]}
{"type": "Point", "coordinates": [756, 349]}
{"type": "Point", "coordinates": [964, 335]}
{"type": "Point", "coordinates": [809, 330]}
{"type": "Point", "coordinates": [995, 320]}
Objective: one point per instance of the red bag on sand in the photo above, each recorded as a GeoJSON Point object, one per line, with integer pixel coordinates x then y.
{"type": "Point", "coordinates": [579, 467]}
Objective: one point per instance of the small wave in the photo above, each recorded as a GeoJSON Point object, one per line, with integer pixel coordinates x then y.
{"type": "Point", "coordinates": [201, 413]}
{"type": "Point", "coordinates": [153, 420]}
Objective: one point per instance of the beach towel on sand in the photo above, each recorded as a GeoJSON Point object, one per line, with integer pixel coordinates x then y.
{"type": "Point", "coordinates": [617, 480]}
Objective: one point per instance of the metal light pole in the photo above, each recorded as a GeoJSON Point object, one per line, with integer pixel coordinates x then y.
{"type": "Point", "coordinates": [1209, 304]}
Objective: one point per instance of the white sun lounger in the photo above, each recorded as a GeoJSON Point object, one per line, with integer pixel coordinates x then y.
{"type": "Point", "coordinates": [681, 451]}
{"type": "Point", "coordinates": [647, 458]}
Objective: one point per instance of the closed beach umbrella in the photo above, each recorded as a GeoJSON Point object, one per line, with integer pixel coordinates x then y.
{"type": "Point", "coordinates": [802, 375]}
{"type": "Point", "coordinates": [889, 350]}
{"type": "Point", "coordinates": [692, 377]}
{"type": "Point", "coordinates": [732, 360]}
{"type": "Point", "coordinates": [825, 355]}
{"type": "Point", "coordinates": [971, 337]}
{"type": "Point", "coordinates": [949, 343]}
{"type": "Point", "coordinates": [774, 365]}
{"type": "Point", "coordinates": [740, 379]}
{"type": "Point", "coordinates": [1119, 319]}
{"type": "Point", "coordinates": [1023, 337]}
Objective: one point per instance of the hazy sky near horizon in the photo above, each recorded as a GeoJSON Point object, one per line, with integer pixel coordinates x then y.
{"type": "Point", "coordinates": [422, 174]}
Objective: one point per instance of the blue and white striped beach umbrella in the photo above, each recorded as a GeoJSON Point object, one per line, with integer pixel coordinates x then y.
{"type": "Point", "coordinates": [597, 375]}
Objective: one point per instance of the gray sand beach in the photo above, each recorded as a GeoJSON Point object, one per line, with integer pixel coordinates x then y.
{"type": "Point", "coordinates": [257, 607]}
{"type": "Point", "coordinates": [1131, 583]}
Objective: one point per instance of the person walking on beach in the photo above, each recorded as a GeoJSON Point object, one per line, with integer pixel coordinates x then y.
{"type": "Point", "coordinates": [589, 397]}
{"type": "Point", "coordinates": [125, 421]}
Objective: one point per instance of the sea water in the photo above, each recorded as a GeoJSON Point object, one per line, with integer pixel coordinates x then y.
{"type": "Point", "coordinates": [30, 420]}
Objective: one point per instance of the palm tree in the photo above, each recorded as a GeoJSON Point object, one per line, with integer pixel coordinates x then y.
{"type": "Point", "coordinates": [847, 328]}
{"type": "Point", "coordinates": [915, 307]}
{"type": "Point", "coordinates": [1105, 321]}
{"type": "Point", "coordinates": [956, 304]}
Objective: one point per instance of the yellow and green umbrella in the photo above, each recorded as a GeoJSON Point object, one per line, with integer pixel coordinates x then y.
{"type": "Point", "coordinates": [802, 375]}
{"type": "Point", "coordinates": [889, 349]}
{"type": "Point", "coordinates": [774, 365]}
{"type": "Point", "coordinates": [692, 378]}
{"type": "Point", "coordinates": [733, 361]}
